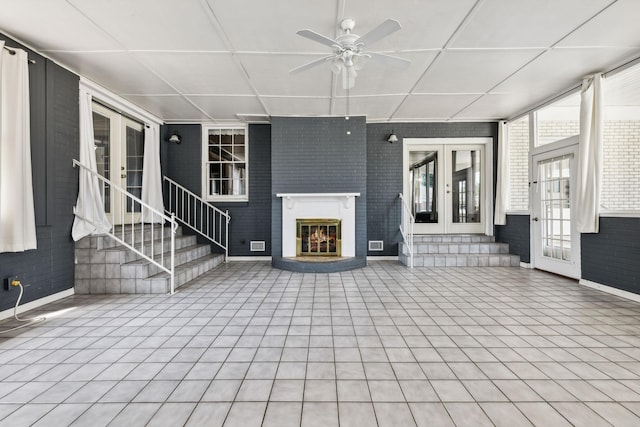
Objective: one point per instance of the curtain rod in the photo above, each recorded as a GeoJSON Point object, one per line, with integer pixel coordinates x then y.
{"type": "Point", "coordinates": [609, 73]}
{"type": "Point", "coordinates": [13, 52]}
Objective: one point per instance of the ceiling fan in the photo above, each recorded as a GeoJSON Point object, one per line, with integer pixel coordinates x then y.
{"type": "Point", "coordinates": [349, 50]}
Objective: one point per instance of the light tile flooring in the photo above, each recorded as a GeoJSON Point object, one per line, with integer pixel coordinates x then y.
{"type": "Point", "coordinates": [249, 345]}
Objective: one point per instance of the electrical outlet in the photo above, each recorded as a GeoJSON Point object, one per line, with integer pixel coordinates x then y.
{"type": "Point", "coordinates": [7, 283]}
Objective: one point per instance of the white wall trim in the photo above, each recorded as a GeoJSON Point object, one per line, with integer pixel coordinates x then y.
{"type": "Point", "coordinates": [526, 265]}
{"type": "Point", "coordinates": [37, 303]}
{"type": "Point", "coordinates": [610, 290]}
{"type": "Point", "coordinates": [117, 102]}
{"type": "Point", "coordinates": [248, 258]}
{"type": "Point", "coordinates": [382, 258]}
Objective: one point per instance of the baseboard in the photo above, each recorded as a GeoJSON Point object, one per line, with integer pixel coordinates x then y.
{"type": "Point", "coordinates": [248, 258]}
{"type": "Point", "coordinates": [382, 258]}
{"type": "Point", "coordinates": [610, 290]}
{"type": "Point", "coordinates": [525, 265]}
{"type": "Point", "coordinates": [37, 303]}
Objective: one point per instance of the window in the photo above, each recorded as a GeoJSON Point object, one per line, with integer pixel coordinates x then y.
{"type": "Point", "coordinates": [518, 140]}
{"type": "Point", "coordinates": [558, 121]}
{"type": "Point", "coordinates": [621, 144]}
{"type": "Point", "coordinates": [225, 164]}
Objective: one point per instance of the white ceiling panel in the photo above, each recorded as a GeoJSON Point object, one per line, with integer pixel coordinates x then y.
{"type": "Point", "coordinates": [169, 107]}
{"type": "Point", "coordinates": [472, 70]}
{"type": "Point", "coordinates": [117, 71]}
{"type": "Point", "coordinates": [51, 24]}
{"type": "Point", "coordinates": [269, 73]}
{"type": "Point", "coordinates": [234, 56]}
{"type": "Point", "coordinates": [436, 107]}
{"type": "Point", "coordinates": [495, 106]}
{"type": "Point", "coordinates": [376, 78]}
{"type": "Point", "coordinates": [199, 73]}
{"type": "Point", "coordinates": [615, 26]}
{"type": "Point", "coordinates": [226, 107]}
{"type": "Point", "coordinates": [560, 69]}
{"type": "Point", "coordinates": [374, 107]}
{"type": "Point", "coordinates": [524, 23]}
{"type": "Point", "coordinates": [153, 24]}
{"type": "Point", "coordinates": [271, 26]}
{"type": "Point", "coordinates": [315, 106]}
{"type": "Point", "coordinates": [425, 24]}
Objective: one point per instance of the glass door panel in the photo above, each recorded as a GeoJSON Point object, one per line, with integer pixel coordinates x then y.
{"type": "Point", "coordinates": [119, 145]}
{"type": "Point", "coordinates": [466, 178]}
{"type": "Point", "coordinates": [445, 188]}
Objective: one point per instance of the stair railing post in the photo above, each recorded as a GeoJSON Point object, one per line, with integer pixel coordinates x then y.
{"type": "Point", "coordinates": [226, 237]}
{"type": "Point", "coordinates": [173, 253]}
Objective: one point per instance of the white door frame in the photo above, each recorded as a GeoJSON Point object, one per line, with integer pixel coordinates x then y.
{"type": "Point", "coordinates": [486, 142]}
{"type": "Point", "coordinates": [557, 149]}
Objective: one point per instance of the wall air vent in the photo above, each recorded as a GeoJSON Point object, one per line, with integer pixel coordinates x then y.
{"type": "Point", "coordinates": [376, 245]}
{"type": "Point", "coordinates": [257, 246]}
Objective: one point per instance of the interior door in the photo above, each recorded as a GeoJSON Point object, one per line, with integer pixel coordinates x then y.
{"type": "Point", "coordinates": [556, 241]}
{"type": "Point", "coordinates": [446, 188]}
{"type": "Point", "coordinates": [119, 146]}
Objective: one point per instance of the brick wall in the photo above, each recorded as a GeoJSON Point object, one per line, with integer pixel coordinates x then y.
{"type": "Point", "coordinates": [621, 151]}
{"type": "Point", "coordinates": [315, 154]}
{"type": "Point", "coordinates": [54, 143]}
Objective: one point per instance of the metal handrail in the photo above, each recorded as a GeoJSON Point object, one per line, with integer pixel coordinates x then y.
{"type": "Point", "coordinates": [406, 228]}
{"type": "Point", "coordinates": [146, 252]}
{"type": "Point", "coordinates": [200, 216]}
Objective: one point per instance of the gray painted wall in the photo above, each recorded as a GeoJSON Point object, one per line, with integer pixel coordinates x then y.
{"type": "Point", "coordinates": [249, 220]}
{"type": "Point", "coordinates": [384, 172]}
{"type": "Point", "coordinates": [54, 143]}
{"type": "Point", "coordinates": [516, 232]}
{"type": "Point", "coordinates": [612, 257]}
{"type": "Point", "coordinates": [315, 154]}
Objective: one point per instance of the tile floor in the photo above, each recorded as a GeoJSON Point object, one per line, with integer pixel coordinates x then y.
{"type": "Point", "coordinates": [249, 345]}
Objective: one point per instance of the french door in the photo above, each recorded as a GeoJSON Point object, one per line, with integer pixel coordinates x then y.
{"type": "Point", "coordinates": [119, 143]}
{"type": "Point", "coordinates": [445, 186]}
{"type": "Point", "coordinates": [555, 239]}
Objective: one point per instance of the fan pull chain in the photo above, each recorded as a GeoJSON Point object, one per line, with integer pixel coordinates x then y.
{"type": "Point", "coordinates": [347, 116]}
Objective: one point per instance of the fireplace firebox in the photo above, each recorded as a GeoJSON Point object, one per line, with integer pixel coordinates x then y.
{"type": "Point", "coordinates": [318, 237]}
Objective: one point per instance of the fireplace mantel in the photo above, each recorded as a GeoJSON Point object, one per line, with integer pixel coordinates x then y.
{"type": "Point", "coordinates": [318, 205]}
{"type": "Point", "coordinates": [290, 198]}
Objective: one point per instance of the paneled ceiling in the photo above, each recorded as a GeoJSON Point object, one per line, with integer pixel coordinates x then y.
{"type": "Point", "coordinates": [224, 60]}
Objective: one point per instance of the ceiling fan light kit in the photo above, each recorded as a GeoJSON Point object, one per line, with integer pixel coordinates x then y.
{"type": "Point", "coordinates": [349, 50]}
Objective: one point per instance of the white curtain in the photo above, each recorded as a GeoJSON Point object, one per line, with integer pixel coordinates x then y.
{"type": "Point", "coordinates": [589, 175]}
{"type": "Point", "coordinates": [17, 216]}
{"type": "Point", "coordinates": [502, 183]}
{"type": "Point", "coordinates": [89, 210]}
{"type": "Point", "coordinates": [152, 176]}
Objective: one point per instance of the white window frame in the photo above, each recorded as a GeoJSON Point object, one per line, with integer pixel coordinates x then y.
{"type": "Point", "coordinates": [205, 162]}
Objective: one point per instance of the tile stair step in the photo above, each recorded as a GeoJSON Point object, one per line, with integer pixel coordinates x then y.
{"type": "Point", "coordinates": [452, 238]}
{"type": "Point", "coordinates": [460, 248]}
{"type": "Point", "coordinates": [472, 260]}
{"type": "Point", "coordinates": [127, 255]}
{"type": "Point", "coordinates": [105, 241]}
{"type": "Point", "coordinates": [143, 268]}
{"type": "Point", "coordinates": [161, 282]}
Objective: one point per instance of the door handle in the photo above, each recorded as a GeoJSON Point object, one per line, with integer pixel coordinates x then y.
{"type": "Point", "coordinates": [124, 175]}
{"type": "Point", "coordinates": [535, 218]}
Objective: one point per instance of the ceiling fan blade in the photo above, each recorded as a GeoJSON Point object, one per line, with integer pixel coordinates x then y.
{"type": "Point", "coordinates": [311, 64]}
{"type": "Point", "coordinates": [387, 27]}
{"type": "Point", "coordinates": [319, 38]}
{"type": "Point", "coordinates": [393, 61]}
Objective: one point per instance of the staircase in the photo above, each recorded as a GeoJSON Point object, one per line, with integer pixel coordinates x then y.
{"type": "Point", "coordinates": [458, 250]}
{"type": "Point", "coordinates": [103, 266]}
